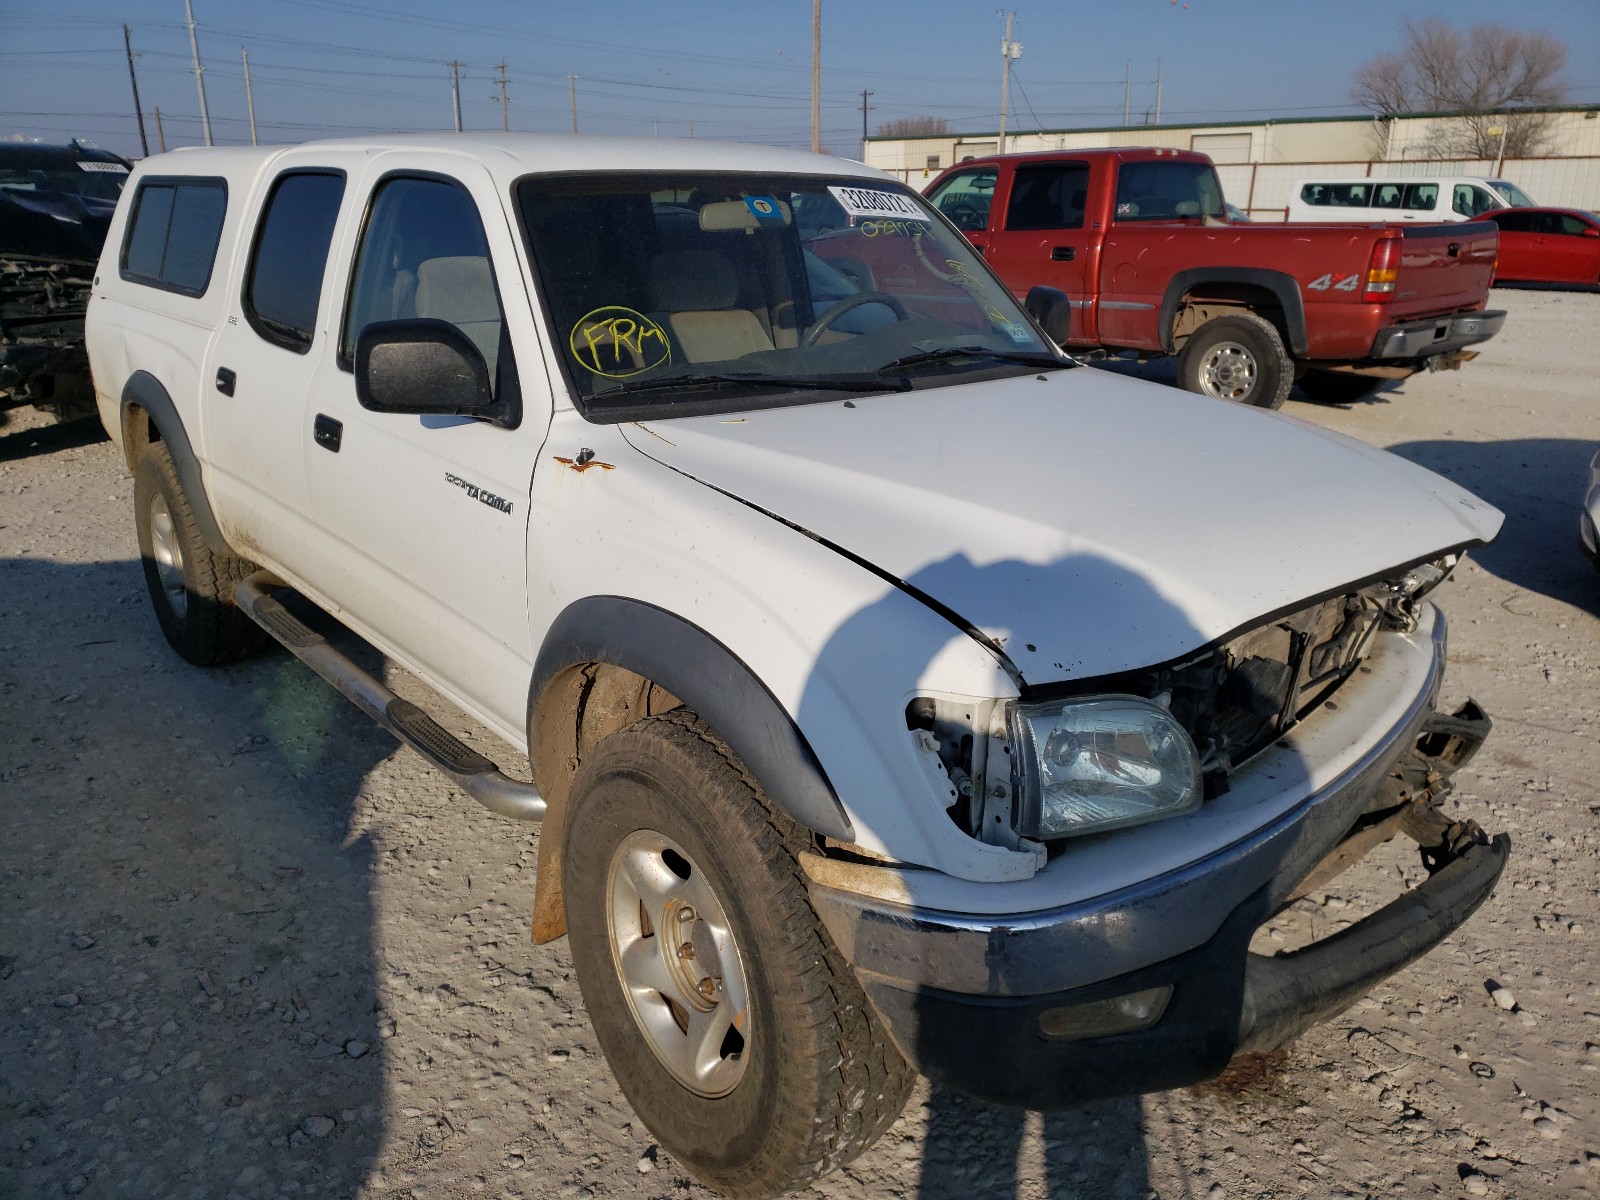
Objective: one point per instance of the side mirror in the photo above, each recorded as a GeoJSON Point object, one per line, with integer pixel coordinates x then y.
{"type": "Point", "coordinates": [429, 367]}
{"type": "Point", "coordinates": [1051, 311]}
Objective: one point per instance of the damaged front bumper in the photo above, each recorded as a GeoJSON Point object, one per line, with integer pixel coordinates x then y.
{"type": "Point", "coordinates": [1154, 985]}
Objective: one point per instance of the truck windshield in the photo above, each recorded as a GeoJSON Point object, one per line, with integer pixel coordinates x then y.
{"type": "Point", "coordinates": [1169, 190]}
{"type": "Point", "coordinates": [711, 292]}
{"type": "Point", "coordinates": [1512, 194]}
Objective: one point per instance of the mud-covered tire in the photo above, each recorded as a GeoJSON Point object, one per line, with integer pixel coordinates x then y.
{"type": "Point", "coordinates": [1337, 387]}
{"type": "Point", "coordinates": [812, 1079]}
{"type": "Point", "coordinates": [191, 586]}
{"type": "Point", "coordinates": [1240, 358]}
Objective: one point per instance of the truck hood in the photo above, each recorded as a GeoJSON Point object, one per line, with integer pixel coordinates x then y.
{"type": "Point", "coordinates": [1084, 522]}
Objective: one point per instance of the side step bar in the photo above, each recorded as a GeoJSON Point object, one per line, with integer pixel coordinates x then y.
{"type": "Point", "coordinates": [470, 771]}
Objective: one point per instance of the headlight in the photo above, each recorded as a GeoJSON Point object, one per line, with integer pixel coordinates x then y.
{"type": "Point", "coordinates": [1091, 765]}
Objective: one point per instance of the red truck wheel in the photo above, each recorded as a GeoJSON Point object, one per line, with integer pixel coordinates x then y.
{"type": "Point", "coordinates": [1239, 358]}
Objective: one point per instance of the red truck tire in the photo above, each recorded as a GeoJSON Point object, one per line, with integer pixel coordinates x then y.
{"type": "Point", "coordinates": [1240, 358]}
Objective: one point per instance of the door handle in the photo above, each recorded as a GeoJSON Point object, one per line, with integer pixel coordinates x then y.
{"type": "Point", "coordinates": [327, 433]}
{"type": "Point", "coordinates": [225, 381]}
{"type": "Point", "coordinates": [1064, 254]}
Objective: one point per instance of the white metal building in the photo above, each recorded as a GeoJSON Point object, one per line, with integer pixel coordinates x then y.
{"type": "Point", "coordinates": [1259, 160]}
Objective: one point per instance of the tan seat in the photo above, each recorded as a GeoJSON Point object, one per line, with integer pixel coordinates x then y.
{"type": "Point", "coordinates": [461, 290]}
{"type": "Point", "coordinates": [698, 290]}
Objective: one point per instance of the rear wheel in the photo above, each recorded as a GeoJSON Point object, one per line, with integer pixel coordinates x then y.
{"type": "Point", "coordinates": [191, 586]}
{"type": "Point", "coordinates": [1337, 387]}
{"type": "Point", "coordinates": [1239, 358]}
{"type": "Point", "coordinates": [734, 1027]}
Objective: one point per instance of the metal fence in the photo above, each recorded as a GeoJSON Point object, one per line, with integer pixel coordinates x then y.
{"type": "Point", "coordinates": [1262, 189]}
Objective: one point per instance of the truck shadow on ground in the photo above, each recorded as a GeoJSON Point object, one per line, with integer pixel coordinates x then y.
{"type": "Point", "coordinates": [32, 442]}
{"type": "Point", "coordinates": [1539, 484]}
{"type": "Point", "coordinates": [186, 959]}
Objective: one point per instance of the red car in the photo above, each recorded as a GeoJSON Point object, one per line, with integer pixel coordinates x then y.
{"type": "Point", "coordinates": [1547, 245]}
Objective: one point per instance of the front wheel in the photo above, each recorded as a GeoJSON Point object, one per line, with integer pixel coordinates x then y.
{"type": "Point", "coordinates": [734, 1027]}
{"type": "Point", "coordinates": [1239, 358]}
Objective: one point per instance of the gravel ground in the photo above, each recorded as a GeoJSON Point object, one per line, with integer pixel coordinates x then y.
{"type": "Point", "coordinates": [248, 947]}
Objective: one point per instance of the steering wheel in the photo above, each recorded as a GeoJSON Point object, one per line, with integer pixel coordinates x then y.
{"type": "Point", "coordinates": [820, 326]}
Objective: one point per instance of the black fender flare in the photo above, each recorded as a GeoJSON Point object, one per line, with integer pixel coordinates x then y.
{"type": "Point", "coordinates": [147, 392]}
{"type": "Point", "coordinates": [708, 677]}
{"type": "Point", "coordinates": [1284, 287]}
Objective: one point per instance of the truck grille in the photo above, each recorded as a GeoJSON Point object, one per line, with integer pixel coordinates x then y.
{"type": "Point", "coordinates": [1241, 697]}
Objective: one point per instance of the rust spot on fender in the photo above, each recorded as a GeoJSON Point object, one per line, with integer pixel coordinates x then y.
{"type": "Point", "coordinates": [584, 464]}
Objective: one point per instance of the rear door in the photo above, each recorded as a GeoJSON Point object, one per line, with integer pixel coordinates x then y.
{"type": "Point", "coordinates": [262, 361]}
{"type": "Point", "coordinates": [424, 518]}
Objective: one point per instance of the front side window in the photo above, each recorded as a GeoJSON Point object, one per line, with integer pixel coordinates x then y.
{"type": "Point", "coordinates": [284, 283]}
{"type": "Point", "coordinates": [965, 198]}
{"type": "Point", "coordinates": [672, 294]}
{"type": "Point", "coordinates": [1517, 222]}
{"type": "Point", "coordinates": [1168, 190]}
{"type": "Point", "coordinates": [1472, 201]}
{"type": "Point", "coordinates": [173, 234]}
{"type": "Point", "coordinates": [424, 255]}
{"type": "Point", "coordinates": [1048, 196]}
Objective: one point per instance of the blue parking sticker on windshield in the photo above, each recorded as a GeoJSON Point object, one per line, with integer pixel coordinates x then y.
{"type": "Point", "coordinates": [763, 208]}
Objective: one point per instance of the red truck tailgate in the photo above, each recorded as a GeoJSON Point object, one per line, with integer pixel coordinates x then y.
{"type": "Point", "coordinates": [1443, 268]}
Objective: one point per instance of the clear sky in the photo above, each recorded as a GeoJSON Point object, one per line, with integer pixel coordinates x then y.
{"type": "Point", "coordinates": [710, 68]}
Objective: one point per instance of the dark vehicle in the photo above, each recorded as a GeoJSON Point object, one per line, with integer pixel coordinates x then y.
{"type": "Point", "coordinates": [55, 205]}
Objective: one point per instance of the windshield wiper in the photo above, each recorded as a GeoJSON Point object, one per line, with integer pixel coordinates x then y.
{"type": "Point", "coordinates": [719, 380]}
{"type": "Point", "coordinates": [1032, 358]}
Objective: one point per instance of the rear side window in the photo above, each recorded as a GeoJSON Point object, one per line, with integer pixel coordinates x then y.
{"type": "Point", "coordinates": [291, 251]}
{"type": "Point", "coordinates": [1420, 197]}
{"type": "Point", "coordinates": [172, 236]}
{"type": "Point", "coordinates": [1517, 222]}
{"type": "Point", "coordinates": [1337, 195]}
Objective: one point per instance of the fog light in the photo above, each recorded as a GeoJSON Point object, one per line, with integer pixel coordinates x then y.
{"type": "Point", "coordinates": [1101, 1018]}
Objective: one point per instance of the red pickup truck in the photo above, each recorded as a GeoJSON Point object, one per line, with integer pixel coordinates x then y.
{"type": "Point", "coordinates": [1139, 241]}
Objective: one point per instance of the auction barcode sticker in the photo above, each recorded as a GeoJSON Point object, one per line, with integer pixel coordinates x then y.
{"type": "Point", "coordinates": [869, 202]}
{"type": "Point", "coordinates": [107, 168]}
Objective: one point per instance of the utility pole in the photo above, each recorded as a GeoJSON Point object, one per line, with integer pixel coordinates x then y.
{"type": "Point", "coordinates": [1158, 91]}
{"type": "Point", "coordinates": [199, 71]}
{"type": "Point", "coordinates": [1127, 91]}
{"type": "Point", "coordinates": [505, 100]}
{"type": "Point", "coordinates": [816, 76]}
{"type": "Point", "coordinates": [572, 95]}
{"type": "Point", "coordinates": [138, 111]}
{"type": "Point", "coordinates": [455, 89]}
{"type": "Point", "coordinates": [1008, 51]}
{"type": "Point", "coordinates": [864, 95]}
{"type": "Point", "coordinates": [249, 94]}
{"type": "Point", "coordinates": [161, 134]}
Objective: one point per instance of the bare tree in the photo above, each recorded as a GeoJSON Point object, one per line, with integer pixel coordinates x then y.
{"type": "Point", "coordinates": [913, 127]}
{"type": "Point", "coordinates": [1475, 77]}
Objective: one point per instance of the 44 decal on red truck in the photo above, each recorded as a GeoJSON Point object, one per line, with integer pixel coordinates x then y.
{"type": "Point", "coordinates": [1323, 282]}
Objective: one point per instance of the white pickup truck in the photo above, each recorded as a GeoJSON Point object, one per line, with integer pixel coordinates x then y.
{"type": "Point", "coordinates": [900, 695]}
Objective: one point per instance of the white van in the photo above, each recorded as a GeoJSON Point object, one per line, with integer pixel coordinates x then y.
{"type": "Point", "coordinates": [1441, 198]}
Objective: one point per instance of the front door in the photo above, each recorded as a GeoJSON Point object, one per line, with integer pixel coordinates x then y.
{"type": "Point", "coordinates": [1041, 239]}
{"type": "Point", "coordinates": [425, 518]}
